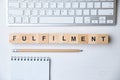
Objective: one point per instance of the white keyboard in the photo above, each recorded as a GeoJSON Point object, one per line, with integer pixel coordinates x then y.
{"type": "Point", "coordinates": [61, 12]}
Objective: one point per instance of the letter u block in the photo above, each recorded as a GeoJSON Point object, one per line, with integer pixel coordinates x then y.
{"type": "Point", "coordinates": [24, 38]}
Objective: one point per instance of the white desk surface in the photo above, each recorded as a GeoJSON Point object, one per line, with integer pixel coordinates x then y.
{"type": "Point", "coordinates": [96, 62]}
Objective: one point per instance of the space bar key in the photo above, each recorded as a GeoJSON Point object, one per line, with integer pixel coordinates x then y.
{"type": "Point", "coordinates": [56, 20]}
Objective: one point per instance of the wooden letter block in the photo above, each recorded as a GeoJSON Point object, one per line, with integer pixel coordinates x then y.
{"type": "Point", "coordinates": [14, 38]}
{"type": "Point", "coordinates": [93, 39]}
{"type": "Point", "coordinates": [43, 38]}
{"type": "Point", "coordinates": [64, 38]}
{"type": "Point", "coordinates": [53, 38]}
{"type": "Point", "coordinates": [103, 39]}
{"type": "Point", "coordinates": [83, 39]}
{"type": "Point", "coordinates": [24, 38]}
{"type": "Point", "coordinates": [73, 38]}
{"type": "Point", "coordinates": [33, 38]}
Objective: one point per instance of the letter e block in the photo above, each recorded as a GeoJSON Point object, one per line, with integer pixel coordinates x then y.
{"type": "Point", "coordinates": [83, 39]}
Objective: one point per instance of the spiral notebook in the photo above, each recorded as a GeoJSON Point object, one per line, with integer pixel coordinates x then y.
{"type": "Point", "coordinates": [30, 68]}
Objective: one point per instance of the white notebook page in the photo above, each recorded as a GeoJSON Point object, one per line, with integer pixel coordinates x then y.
{"type": "Point", "coordinates": [29, 68]}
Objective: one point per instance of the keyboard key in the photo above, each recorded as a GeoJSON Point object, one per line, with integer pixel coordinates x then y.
{"type": "Point", "coordinates": [78, 12]}
{"type": "Point", "coordinates": [38, 5]}
{"type": "Point", "coordinates": [56, 20]}
{"type": "Point", "coordinates": [25, 20]}
{"type": "Point", "coordinates": [97, 5]}
{"type": "Point", "coordinates": [105, 12]}
{"type": "Point", "coordinates": [34, 12]}
{"type": "Point", "coordinates": [49, 12]}
{"type": "Point", "coordinates": [42, 12]}
{"type": "Point", "coordinates": [90, 5]}
{"type": "Point", "coordinates": [93, 12]}
{"type": "Point", "coordinates": [86, 12]}
{"type": "Point", "coordinates": [107, 5]}
{"type": "Point", "coordinates": [33, 20]}
{"type": "Point", "coordinates": [71, 12]}
{"type": "Point", "coordinates": [110, 21]}
{"type": "Point", "coordinates": [95, 21]}
{"type": "Point", "coordinates": [18, 20]}
{"type": "Point", "coordinates": [23, 5]}
{"type": "Point", "coordinates": [14, 5]}
{"type": "Point", "coordinates": [75, 5]}
{"type": "Point", "coordinates": [87, 20]}
{"type": "Point", "coordinates": [16, 12]}
{"type": "Point", "coordinates": [30, 5]}
{"type": "Point", "coordinates": [82, 5]}
{"type": "Point", "coordinates": [67, 5]}
{"type": "Point", "coordinates": [45, 5]}
{"type": "Point", "coordinates": [11, 20]}
{"type": "Point", "coordinates": [63, 12]}
{"type": "Point", "coordinates": [52, 5]}
{"type": "Point", "coordinates": [56, 12]}
{"type": "Point", "coordinates": [102, 20]}
{"type": "Point", "coordinates": [79, 20]}
{"type": "Point", "coordinates": [27, 12]}
{"type": "Point", "coordinates": [60, 5]}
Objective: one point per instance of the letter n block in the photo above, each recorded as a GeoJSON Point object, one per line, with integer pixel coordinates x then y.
{"type": "Point", "coordinates": [83, 38]}
{"type": "Point", "coordinates": [93, 39]}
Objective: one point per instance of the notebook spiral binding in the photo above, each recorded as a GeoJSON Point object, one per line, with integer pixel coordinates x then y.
{"type": "Point", "coordinates": [28, 58]}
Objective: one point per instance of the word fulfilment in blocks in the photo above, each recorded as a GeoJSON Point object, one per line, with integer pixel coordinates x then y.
{"type": "Point", "coordinates": [55, 38]}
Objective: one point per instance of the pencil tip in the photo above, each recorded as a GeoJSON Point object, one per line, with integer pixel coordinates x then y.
{"type": "Point", "coordinates": [81, 50]}
{"type": "Point", "coordinates": [14, 50]}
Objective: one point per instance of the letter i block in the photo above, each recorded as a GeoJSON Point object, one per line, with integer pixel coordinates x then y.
{"type": "Point", "coordinates": [53, 38]}
{"type": "Point", "coordinates": [43, 38]}
{"type": "Point", "coordinates": [14, 38]}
